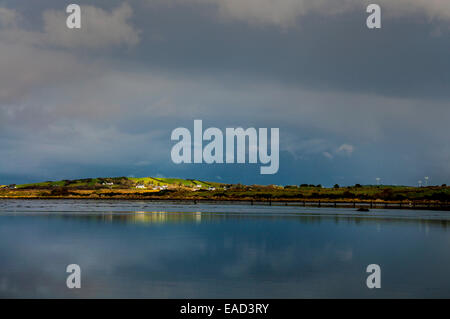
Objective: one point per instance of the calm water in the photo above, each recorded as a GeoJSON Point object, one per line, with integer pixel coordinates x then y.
{"type": "Point", "coordinates": [141, 249]}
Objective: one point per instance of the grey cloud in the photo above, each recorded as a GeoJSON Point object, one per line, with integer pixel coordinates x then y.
{"type": "Point", "coordinates": [346, 149]}
{"type": "Point", "coordinates": [28, 63]}
{"type": "Point", "coordinates": [405, 58]}
{"type": "Point", "coordinates": [26, 68]}
{"type": "Point", "coordinates": [8, 17]}
{"type": "Point", "coordinates": [433, 9]}
{"type": "Point", "coordinates": [100, 29]}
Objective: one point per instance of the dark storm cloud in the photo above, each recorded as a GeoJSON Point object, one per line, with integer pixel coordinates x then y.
{"type": "Point", "coordinates": [405, 58]}
{"type": "Point", "coordinates": [352, 104]}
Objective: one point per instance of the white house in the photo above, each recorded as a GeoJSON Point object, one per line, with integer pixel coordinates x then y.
{"type": "Point", "coordinates": [140, 186]}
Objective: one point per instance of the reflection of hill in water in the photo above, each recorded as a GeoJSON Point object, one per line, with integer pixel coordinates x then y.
{"type": "Point", "coordinates": [148, 218]}
{"type": "Point", "coordinates": [160, 217]}
{"type": "Point", "coordinates": [135, 217]}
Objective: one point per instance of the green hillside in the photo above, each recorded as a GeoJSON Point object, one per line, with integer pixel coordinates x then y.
{"type": "Point", "coordinates": [120, 182]}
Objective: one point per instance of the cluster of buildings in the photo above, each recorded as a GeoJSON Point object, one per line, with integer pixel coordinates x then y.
{"type": "Point", "coordinates": [12, 186]}
{"type": "Point", "coordinates": [139, 186]}
{"type": "Point", "coordinates": [108, 184]}
{"type": "Point", "coordinates": [198, 187]}
{"type": "Point", "coordinates": [160, 188]}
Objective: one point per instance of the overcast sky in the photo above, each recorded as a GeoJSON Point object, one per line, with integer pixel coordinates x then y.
{"type": "Point", "coordinates": [352, 104]}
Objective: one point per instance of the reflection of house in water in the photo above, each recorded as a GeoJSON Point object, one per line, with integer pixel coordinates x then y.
{"type": "Point", "coordinates": [149, 217]}
{"type": "Point", "coordinates": [142, 217]}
